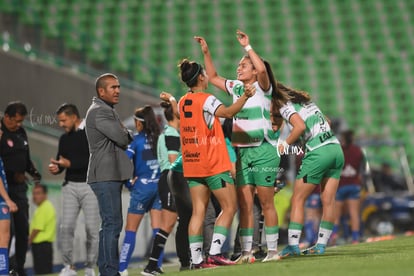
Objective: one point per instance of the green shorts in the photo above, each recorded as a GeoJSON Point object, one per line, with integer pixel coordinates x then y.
{"type": "Point", "coordinates": [257, 166]}
{"type": "Point", "coordinates": [214, 182]}
{"type": "Point", "coordinates": [324, 162]}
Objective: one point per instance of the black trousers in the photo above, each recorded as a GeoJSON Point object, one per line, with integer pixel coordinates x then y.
{"type": "Point", "coordinates": [42, 257]}
{"type": "Point", "coordinates": [181, 193]}
{"type": "Point", "coordinates": [19, 226]}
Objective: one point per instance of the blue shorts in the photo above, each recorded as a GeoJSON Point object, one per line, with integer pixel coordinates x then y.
{"type": "Point", "coordinates": [314, 201]}
{"type": "Point", "coordinates": [144, 197]}
{"type": "Point", "coordinates": [4, 211]}
{"type": "Point", "coordinates": [345, 192]}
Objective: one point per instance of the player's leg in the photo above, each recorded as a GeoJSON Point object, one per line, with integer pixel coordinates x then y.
{"type": "Point", "coordinates": [200, 195]}
{"type": "Point", "coordinates": [4, 238]}
{"type": "Point", "coordinates": [225, 193]}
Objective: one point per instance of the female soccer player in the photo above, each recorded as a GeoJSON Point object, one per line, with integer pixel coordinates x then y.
{"type": "Point", "coordinates": [321, 165]}
{"type": "Point", "coordinates": [168, 149]}
{"type": "Point", "coordinates": [144, 187]}
{"type": "Point", "coordinates": [257, 159]}
{"type": "Point", "coordinates": [206, 162]}
{"type": "Point", "coordinates": [6, 207]}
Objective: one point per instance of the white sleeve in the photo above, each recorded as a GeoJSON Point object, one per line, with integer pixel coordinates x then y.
{"type": "Point", "coordinates": [232, 86]}
{"type": "Point", "coordinates": [211, 104]}
{"type": "Point", "coordinates": [287, 110]}
{"type": "Point", "coordinates": [209, 109]}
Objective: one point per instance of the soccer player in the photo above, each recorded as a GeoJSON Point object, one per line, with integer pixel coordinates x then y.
{"type": "Point", "coordinates": [349, 190]}
{"type": "Point", "coordinates": [168, 148]}
{"type": "Point", "coordinates": [206, 162]}
{"type": "Point", "coordinates": [321, 165]}
{"type": "Point", "coordinates": [144, 186]}
{"type": "Point", "coordinates": [257, 159]}
{"type": "Point", "coordinates": [6, 207]}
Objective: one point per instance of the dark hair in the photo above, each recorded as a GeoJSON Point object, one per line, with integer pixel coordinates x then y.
{"type": "Point", "coordinates": [282, 94]}
{"type": "Point", "coordinates": [348, 136]}
{"type": "Point", "coordinates": [168, 111]}
{"type": "Point", "coordinates": [68, 109]}
{"type": "Point", "coordinates": [14, 108]}
{"type": "Point", "coordinates": [189, 71]}
{"type": "Point", "coordinates": [101, 80]}
{"type": "Point", "coordinates": [42, 187]}
{"type": "Point", "coordinates": [151, 127]}
{"type": "Point", "coordinates": [227, 127]}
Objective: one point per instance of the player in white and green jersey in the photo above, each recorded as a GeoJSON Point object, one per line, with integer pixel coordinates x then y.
{"type": "Point", "coordinates": [255, 141]}
{"type": "Point", "coordinates": [321, 165]}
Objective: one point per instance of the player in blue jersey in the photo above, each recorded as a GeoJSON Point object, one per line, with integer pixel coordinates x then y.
{"type": "Point", "coordinates": [144, 185]}
{"type": "Point", "coordinates": [6, 206]}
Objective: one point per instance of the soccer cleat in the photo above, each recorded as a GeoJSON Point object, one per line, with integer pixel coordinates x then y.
{"type": "Point", "coordinates": [203, 265]}
{"type": "Point", "coordinates": [317, 249]}
{"type": "Point", "coordinates": [150, 272]}
{"type": "Point", "coordinates": [123, 273]}
{"type": "Point", "coordinates": [67, 271]}
{"type": "Point", "coordinates": [245, 258]}
{"type": "Point", "coordinates": [290, 251]}
{"type": "Point", "coordinates": [90, 272]}
{"type": "Point", "coordinates": [271, 256]}
{"type": "Point", "coordinates": [219, 260]}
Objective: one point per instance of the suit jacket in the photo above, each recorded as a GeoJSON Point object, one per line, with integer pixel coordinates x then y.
{"type": "Point", "coordinates": [107, 139]}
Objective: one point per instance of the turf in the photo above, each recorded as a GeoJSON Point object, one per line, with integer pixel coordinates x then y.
{"type": "Point", "coordinates": [391, 257]}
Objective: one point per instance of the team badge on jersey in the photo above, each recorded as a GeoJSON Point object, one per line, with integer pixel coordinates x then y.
{"type": "Point", "coordinates": [5, 210]}
{"type": "Point", "coordinates": [10, 143]}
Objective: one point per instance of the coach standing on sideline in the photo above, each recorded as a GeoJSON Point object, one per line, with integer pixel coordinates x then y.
{"type": "Point", "coordinates": [14, 150]}
{"type": "Point", "coordinates": [73, 155]}
{"type": "Point", "coordinates": [109, 167]}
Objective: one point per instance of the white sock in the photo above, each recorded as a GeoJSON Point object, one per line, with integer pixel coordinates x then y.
{"type": "Point", "coordinates": [196, 249]}
{"type": "Point", "coordinates": [271, 241]}
{"type": "Point", "coordinates": [294, 236]}
{"type": "Point", "coordinates": [217, 243]}
{"type": "Point", "coordinates": [324, 235]}
{"type": "Point", "coordinates": [246, 243]}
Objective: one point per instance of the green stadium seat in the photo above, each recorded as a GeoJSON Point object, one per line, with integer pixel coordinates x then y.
{"type": "Point", "coordinates": [9, 6]}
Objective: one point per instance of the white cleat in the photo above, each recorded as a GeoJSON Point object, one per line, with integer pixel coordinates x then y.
{"type": "Point", "coordinates": [271, 256]}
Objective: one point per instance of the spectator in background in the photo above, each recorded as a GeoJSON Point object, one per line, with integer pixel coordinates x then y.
{"type": "Point", "coordinates": [144, 196]}
{"type": "Point", "coordinates": [349, 190]}
{"type": "Point", "coordinates": [386, 181]}
{"type": "Point", "coordinates": [77, 195]}
{"type": "Point", "coordinates": [109, 167]}
{"type": "Point", "coordinates": [14, 150]}
{"type": "Point", "coordinates": [7, 206]}
{"type": "Point", "coordinates": [42, 231]}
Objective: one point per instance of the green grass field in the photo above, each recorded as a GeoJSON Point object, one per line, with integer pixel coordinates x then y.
{"type": "Point", "coordinates": [391, 257]}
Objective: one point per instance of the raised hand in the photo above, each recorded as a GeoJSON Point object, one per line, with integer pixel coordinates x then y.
{"type": "Point", "coordinates": [165, 96]}
{"type": "Point", "coordinates": [242, 38]}
{"type": "Point", "coordinates": [203, 43]}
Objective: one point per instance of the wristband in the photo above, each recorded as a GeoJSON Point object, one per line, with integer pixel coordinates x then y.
{"type": "Point", "coordinates": [172, 99]}
{"type": "Point", "coordinates": [248, 48]}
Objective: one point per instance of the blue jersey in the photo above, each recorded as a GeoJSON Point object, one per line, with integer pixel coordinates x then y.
{"type": "Point", "coordinates": [3, 177]}
{"type": "Point", "coordinates": [146, 166]}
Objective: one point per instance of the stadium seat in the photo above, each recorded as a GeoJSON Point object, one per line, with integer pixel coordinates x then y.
{"type": "Point", "coordinates": [350, 55]}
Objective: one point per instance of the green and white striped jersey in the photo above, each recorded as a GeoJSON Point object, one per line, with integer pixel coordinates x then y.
{"type": "Point", "coordinates": [251, 125]}
{"type": "Point", "coordinates": [318, 132]}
